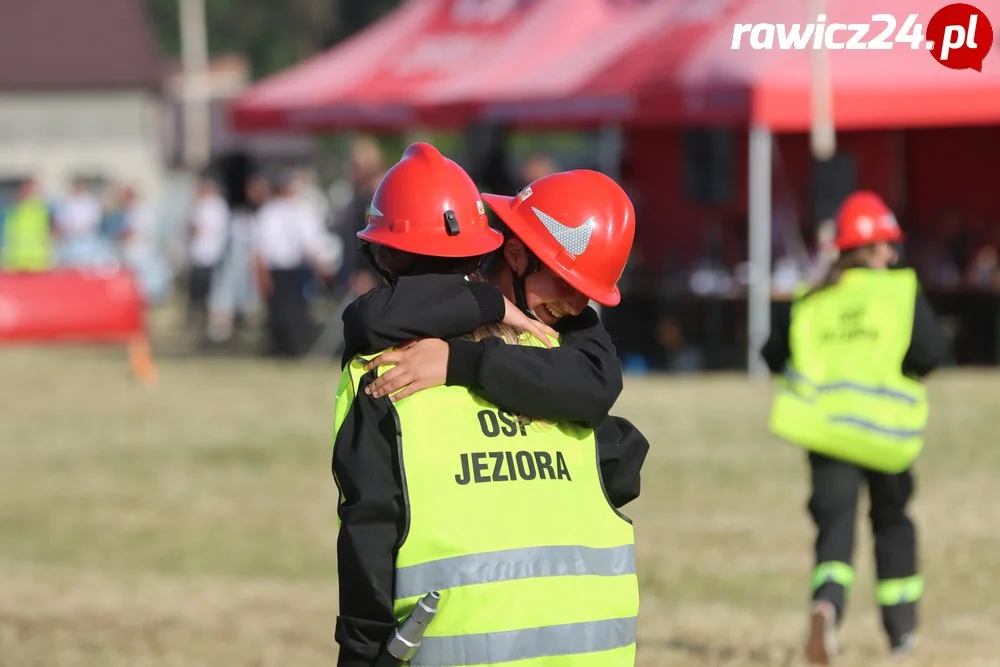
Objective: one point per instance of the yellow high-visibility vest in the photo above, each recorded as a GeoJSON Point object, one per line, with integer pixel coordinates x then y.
{"type": "Point", "coordinates": [844, 393]}
{"type": "Point", "coordinates": [509, 521]}
{"type": "Point", "coordinates": [27, 239]}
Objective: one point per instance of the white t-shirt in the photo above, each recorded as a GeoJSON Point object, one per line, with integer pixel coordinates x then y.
{"type": "Point", "coordinates": [140, 222]}
{"type": "Point", "coordinates": [80, 215]}
{"type": "Point", "coordinates": [242, 226]}
{"type": "Point", "coordinates": [210, 224]}
{"type": "Point", "coordinates": [288, 233]}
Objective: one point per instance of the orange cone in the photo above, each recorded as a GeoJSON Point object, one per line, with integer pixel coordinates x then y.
{"type": "Point", "coordinates": [140, 359]}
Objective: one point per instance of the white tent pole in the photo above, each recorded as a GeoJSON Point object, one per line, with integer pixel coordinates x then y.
{"type": "Point", "coordinates": [822, 135]}
{"type": "Point", "coordinates": [759, 232]}
{"type": "Point", "coordinates": [194, 56]}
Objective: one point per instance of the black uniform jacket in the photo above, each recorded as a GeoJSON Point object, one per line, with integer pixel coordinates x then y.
{"type": "Point", "coordinates": [928, 349]}
{"type": "Point", "coordinates": [552, 384]}
{"type": "Point", "coordinates": [577, 382]}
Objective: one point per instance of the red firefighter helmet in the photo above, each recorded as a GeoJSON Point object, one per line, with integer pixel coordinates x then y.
{"type": "Point", "coordinates": [578, 223]}
{"type": "Point", "coordinates": [864, 219]}
{"type": "Point", "coordinates": [426, 204]}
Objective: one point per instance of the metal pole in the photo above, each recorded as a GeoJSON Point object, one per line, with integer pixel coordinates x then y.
{"type": "Point", "coordinates": [759, 297]}
{"type": "Point", "coordinates": [610, 146]}
{"type": "Point", "coordinates": [194, 56]}
{"type": "Point", "coordinates": [822, 136]}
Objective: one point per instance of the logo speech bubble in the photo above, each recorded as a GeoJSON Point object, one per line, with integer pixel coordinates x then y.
{"type": "Point", "coordinates": [959, 36]}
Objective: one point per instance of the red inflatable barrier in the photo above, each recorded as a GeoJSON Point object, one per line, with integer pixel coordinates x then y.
{"type": "Point", "coordinates": [73, 306]}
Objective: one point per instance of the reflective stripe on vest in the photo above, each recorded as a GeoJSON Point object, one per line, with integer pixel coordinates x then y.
{"type": "Point", "coordinates": [531, 567]}
{"type": "Point", "coordinates": [512, 564]}
{"type": "Point", "coordinates": [551, 641]}
{"type": "Point", "coordinates": [794, 377]}
{"type": "Point", "coordinates": [803, 387]}
{"type": "Point", "coordinates": [844, 394]}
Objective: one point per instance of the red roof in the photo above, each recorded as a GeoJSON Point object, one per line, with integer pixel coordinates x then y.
{"type": "Point", "coordinates": [76, 44]}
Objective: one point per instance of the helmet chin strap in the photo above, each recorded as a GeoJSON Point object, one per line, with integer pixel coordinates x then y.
{"type": "Point", "coordinates": [518, 280]}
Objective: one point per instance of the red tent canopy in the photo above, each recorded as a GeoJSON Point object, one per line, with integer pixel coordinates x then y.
{"type": "Point", "coordinates": [553, 62]}
{"type": "Point", "coordinates": [430, 62]}
{"type": "Point", "coordinates": [685, 71]}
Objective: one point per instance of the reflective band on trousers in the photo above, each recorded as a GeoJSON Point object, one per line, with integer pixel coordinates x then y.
{"type": "Point", "coordinates": [900, 591]}
{"type": "Point", "coordinates": [512, 564]}
{"type": "Point", "coordinates": [833, 572]}
{"type": "Point", "coordinates": [495, 648]}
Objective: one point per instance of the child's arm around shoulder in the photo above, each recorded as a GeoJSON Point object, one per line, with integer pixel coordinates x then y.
{"type": "Point", "coordinates": [366, 469]}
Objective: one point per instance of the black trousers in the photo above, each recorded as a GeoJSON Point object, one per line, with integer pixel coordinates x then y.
{"type": "Point", "coordinates": [199, 286]}
{"type": "Point", "coordinates": [290, 329]}
{"type": "Point", "coordinates": [833, 506]}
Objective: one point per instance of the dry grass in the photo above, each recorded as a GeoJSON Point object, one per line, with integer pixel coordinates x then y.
{"type": "Point", "coordinates": [194, 524]}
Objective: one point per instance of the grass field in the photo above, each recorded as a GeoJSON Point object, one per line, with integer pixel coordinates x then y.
{"type": "Point", "coordinates": [193, 524]}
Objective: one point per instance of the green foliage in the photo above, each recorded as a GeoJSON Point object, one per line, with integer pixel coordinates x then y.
{"type": "Point", "coordinates": [272, 35]}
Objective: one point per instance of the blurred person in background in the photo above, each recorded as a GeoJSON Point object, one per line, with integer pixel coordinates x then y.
{"type": "Point", "coordinates": [535, 167]}
{"type": "Point", "coordinates": [78, 227]}
{"type": "Point", "coordinates": [309, 190]}
{"type": "Point", "coordinates": [113, 222]}
{"type": "Point", "coordinates": [678, 354]}
{"type": "Point", "coordinates": [384, 569]}
{"type": "Point", "coordinates": [853, 356]}
{"type": "Point", "coordinates": [943, 251]}
{"type": "Point", "coordinates": [234, 292]}
{"type": "Point", "coordinates": [289, 242]}
{"type": "Point", "coordinates": [786, 277]}
{"type": "Point", "coordinates": [983, 271]}
{"type": "Point", "coordinates": [365, 169]}
{"type": "Point", "coordinates": [137, 242]}
{"type": "Point", "coordinates": [27, 239]}
{"type": "Point", "coordinates": [826, 251]}
{"type": "Point", "coordinates": [956, 236]}
{"type": "Point", "coordinates": [208, 231]}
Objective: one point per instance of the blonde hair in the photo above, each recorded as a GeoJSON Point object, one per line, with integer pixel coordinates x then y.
{"type": "Point", "coordinates": [849, 259]}
{"type": "Point", "coordinates": [511, 336]}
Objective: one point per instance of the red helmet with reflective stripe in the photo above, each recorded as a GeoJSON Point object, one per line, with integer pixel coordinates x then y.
{"type": "Point", "coordinates": [580, 224]}
{"type": "Point", "coordinates": [864, 219]}
{"type": "Point", "coordinates": [428, 205]}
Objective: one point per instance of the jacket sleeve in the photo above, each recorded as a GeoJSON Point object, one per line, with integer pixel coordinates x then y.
{"type": "Point", "coordinates": [366, 469]}
{"type": "Point", "coordinates": [425, 306]}
{"type": "Point", "coordinates": [776, 350]}
{"type": "Point", "coordinates": [621, 450]}
{"type": "Point", "coordinates": [929, 347]}
{"type": "Point", "coordinates": [576, 382]}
